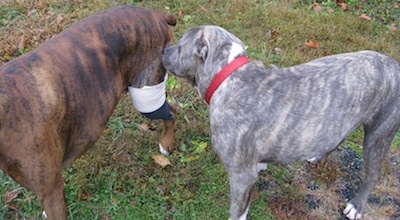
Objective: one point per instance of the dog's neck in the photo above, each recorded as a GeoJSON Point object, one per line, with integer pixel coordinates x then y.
{"type": "Point", "coordinates": [222, 75]}
{"type": "Point", "coordinates": [235, 51]}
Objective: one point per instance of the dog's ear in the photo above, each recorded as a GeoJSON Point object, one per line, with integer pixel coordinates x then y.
{"type": "Point", "coordinates": [203, 48]}
{"type": "Point", "coordinates": [206, 51]}
{"type": "Point", "coordinates": [213, 46]}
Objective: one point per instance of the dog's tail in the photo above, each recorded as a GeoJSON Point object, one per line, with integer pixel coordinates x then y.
{"type": "Point", "coordinates": [169, 18]}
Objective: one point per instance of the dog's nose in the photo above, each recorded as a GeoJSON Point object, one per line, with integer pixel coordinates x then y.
{"type": "Point", "coordinates": [165, 50]}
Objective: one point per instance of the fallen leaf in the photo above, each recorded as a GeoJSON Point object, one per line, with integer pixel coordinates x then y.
{"type": "Point", "coordinates": [181, 14]}
{"type": "Point", "coordinates": [114, 200]}
{"type": "Point", "coordinates": [365, 17]}
{"type": "Point", "coordinates": [273, 34]}
{"type": "Point", "coordinates": [203, 8]}
{"type": "Point", "coordinates": [394, 27]}
{"type": "Point", "coordinates": [343, 6]}
{"type": "Point", "coordinates": [10, 196]}
{"type": "Point", "coordinates": [144, 127]}
{"type": "Point", "coordinates": [22, 42]}
{"type": "Point", "coordinates": [161, 160]}
{"type": "Point", "coordinates": [7, 57]}
{"type": "Point", "coordinates": [312, 44]}
{"type": "Point", "coordinates": [189, 159]}
{"type": "Point", "coordinates": [278, 50]}
{"type": "Point", "coordinates": [30, 12]}
{"type": "Point", "coordinates": [105, 131]}
{"type": "Point", "coordinates": [60, 19]}
{"type": "Point", "coordinates": [127, 119]}
{"type": "Point", "coordinates": [317, 7]}
{"type": "Point", "coordinates": [84, 196]}
{"type": "Point", "coordinates": [255, 195]}
{"type": "Point", "coordinates": [200, 147]}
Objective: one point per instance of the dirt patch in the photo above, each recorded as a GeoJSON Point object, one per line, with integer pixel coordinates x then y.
{"type": "Point", "coordinates": [320, 191]}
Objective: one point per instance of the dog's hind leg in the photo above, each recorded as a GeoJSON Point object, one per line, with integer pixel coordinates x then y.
{"type": "Point", "coordinates": [45, 180]}
{"type": "Point", "coordinates": [377, 141]}
{"type": "Point", "coordinates": [241, 185]}
{"type": "Point", "coordinates": [53, 199]}
{"type": "Point", "coordinates": [37, 165]}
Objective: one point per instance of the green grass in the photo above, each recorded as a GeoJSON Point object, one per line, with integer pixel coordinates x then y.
{"type": "Point", "coordinates": [118, 179]}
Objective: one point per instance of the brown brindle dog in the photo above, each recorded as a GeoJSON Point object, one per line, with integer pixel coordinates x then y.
{"type": "Point", "coordinates": [56, 100]}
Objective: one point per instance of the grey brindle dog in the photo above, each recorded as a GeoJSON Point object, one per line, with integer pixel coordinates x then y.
{"type": "Point", "coordinates": [281, 115]}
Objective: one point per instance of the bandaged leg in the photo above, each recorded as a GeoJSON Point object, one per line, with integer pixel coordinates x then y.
{"type": "Point", "coordinates": [150, 101]}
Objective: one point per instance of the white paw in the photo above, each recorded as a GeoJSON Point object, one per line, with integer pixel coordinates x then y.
{"type": "Point", "coordinates": [44, 215]}
{"type": "Point", "coordinates": [162, 150]}
{"type": "Point", "coordinates": [261, 166]}
{"type": "Point", "coordinates": [313, 160]}
{"type": "Point", "coordinates": [351, 212]}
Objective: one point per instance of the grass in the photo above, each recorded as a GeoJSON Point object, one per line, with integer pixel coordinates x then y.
{"type": "Point", "coordinates": [118, 179]}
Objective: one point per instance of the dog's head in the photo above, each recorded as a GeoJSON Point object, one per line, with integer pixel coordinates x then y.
{"type": "Point", "coordinates": [201, 53]}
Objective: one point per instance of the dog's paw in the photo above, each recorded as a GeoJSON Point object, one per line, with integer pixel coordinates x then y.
{"type": "Point", "coordinates": [261, 166]}
{"type": "Point", "coordinates": [162, 150]}
{"type": "Point", "coordinates": [44, 215]}
{"type": "Point", "coordinates": [351, 212]}
{"type": "Point", "coordinates": [313, 160]}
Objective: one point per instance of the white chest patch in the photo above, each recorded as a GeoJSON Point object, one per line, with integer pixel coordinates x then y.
{"type": "Point", "coordinates": [236, 50]}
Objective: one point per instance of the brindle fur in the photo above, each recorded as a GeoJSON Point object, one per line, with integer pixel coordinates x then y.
{"type": "Point", "coordinates": [281, 115]}
{"type": "Point", "coordinates": [56, 100]}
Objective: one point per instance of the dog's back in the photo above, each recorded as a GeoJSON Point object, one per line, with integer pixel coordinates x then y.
{"type": "Point", "coordinates": [330, 97]}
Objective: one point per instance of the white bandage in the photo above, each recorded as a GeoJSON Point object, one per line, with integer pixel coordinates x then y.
{"type": "Point", "coordinates": [149, 98]}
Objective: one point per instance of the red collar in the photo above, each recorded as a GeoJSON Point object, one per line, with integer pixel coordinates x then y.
{"type": "Point", "coordinates": [223, 74]}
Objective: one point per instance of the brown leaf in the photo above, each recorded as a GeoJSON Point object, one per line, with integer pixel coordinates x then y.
{"type": "Point", "coordinates": [60, 19]}
{"type": "Point", "coordinates": [181, 14]}
{"type": "Point", "coordinates": [365, 17]}
{"type": "Point", "coordinates": [203, 8]}
{"type": "Point", "coordinates": [317, 7]}
{"type": "Point", "coordinates": [31, 12]}
{"type": "Point", "coordinates": [255, 195]}
{"type": "Point", "coordinates": [273, 34]}
{"type": "Point", "coordinates": [10, 196]}
{"type": "Point", "coordinates": [22, 42]}
{"type": "Point", "coordinates": [84, 196]}
{"type": "Point", "coordinates": [161, 160]}
{"type": "Point", "coordinates": [312, 44]}
{"type": "Point", "coordinates": [278, 50]}
{"type": "Point", "coordinates": [144, 127]}
{"type": "Point", "coordinates": [343, 6]}
{"type": "Point", "coordinates": [394, 27]}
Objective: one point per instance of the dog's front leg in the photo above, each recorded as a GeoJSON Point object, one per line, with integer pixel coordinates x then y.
{"type": "Point", "coordinates": [241, 185]}
{"type": "Point", "coordinates": [151, 102]}
{"type": "Point", "coordinates": [168, 133]}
